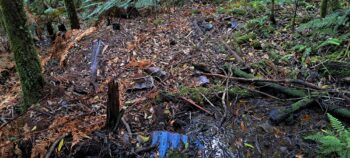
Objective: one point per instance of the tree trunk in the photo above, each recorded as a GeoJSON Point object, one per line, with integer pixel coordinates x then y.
{"type": "Point", "coordinates": [324, 7]}
{"type": "Point", "coordinates": [272, 15]}
{"type": "Point", "coordinates": [22, 45]}
{"type": "Point", "coordinates": [72, 13]}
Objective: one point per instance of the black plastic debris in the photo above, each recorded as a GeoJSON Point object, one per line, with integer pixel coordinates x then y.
{"type": "Point", "coordinates": [201, 67]}
{"type": "Point", "coordinates": [143, 83]}
{"type": "Point", "coordinates": [116, 26]}
{"type": "Point", "coordinates": [156, 72]}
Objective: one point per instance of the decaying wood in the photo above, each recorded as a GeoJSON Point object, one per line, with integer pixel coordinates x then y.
{"type": "Point", "coordinates": [288, 81]}
{"type": "Point", "coordinates": [113, 104]}
{"type": "Point", "coordinates": [294, 92]}
{"type": "Point", "coordinates": [277, 116]}
{"type": "Point", "coordinates": [308, 97]}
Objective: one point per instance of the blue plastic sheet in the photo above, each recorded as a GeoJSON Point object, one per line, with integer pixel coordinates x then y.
{"type": "Point", "coordinates": [165, 139]}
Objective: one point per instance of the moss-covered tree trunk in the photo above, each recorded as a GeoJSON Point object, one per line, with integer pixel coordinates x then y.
{"type": "Point", "coordinates": [22, 45]}
{"type": "Point", "coordinates": [324, 7]}
{"type": "Point", "coordinates": [72, 13]}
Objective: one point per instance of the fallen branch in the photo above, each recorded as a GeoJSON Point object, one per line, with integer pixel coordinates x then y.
{"type": "Point", "coordinates": [277, 116]}
{"type": "Point", "coordinates": [54, 144]}
{"type": "Point", "coordinates": [127, 127]}
{"type": "Point", "coordinates": [237, 57]}
{"type": "Point", "coordinates": [288, 81]}
{"type": "Point", "coordinates": [196, 105]}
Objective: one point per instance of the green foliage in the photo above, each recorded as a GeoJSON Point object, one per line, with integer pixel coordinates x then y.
{"type": "Point", "coordinates": [101, 8]}
{"type": "Point", "coordinates": [335, 143]}
{"type": "Point", "coordinates": [330, 41]}
{"type": "Point", "coordinates": [334, 21]}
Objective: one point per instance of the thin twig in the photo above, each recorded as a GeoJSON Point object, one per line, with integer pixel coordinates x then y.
{"type": "Point", "coordinates": [127, 127]}
{"type": "Point", "coordinates": [234, 53]}
{"type": "Point", "coordinates": [257, 91]}
{"type": "Point", "coordinates": [54, 144]}
{"type": "Point", "coordinates": [196, 105]}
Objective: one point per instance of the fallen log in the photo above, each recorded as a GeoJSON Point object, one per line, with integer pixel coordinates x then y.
{"type": "Point", "coordinates": [277, 116]}
{"type": "Point", "coordinates": [294, 92]}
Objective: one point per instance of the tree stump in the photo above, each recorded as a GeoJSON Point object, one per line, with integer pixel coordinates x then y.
{"type": "Point", "coordinates": [113, 103]}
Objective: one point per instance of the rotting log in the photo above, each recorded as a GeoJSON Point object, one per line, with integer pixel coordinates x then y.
{"type": "Point", "coordinates": [277, 116]}
{"type": "Point", "coordinates": [308, 98]}
{"type": "Point", "coordinates": [286, 90]}
{"type": "Point", "coordinates": [113, 104]}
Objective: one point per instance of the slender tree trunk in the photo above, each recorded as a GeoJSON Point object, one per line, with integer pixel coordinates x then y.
{"type": "Point", "coordinates": [324, 7]}
{"type": "Point", "coordinates": [295, 14]}
{"type": "Point", "coordinates": [272, 15]}
{"type": "Point", "coordinates": [22, 45]}
{"type": "Point", "coordinates": [72, 13]}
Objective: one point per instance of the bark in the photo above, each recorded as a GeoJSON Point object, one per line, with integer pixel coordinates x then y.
{"type": "Point", "coordinates": [272, 15]}
{"type": "Point", "coordinates": [113, 105]}
{"type": "Point", "coordinates": [72, 14]}
{"type": "Point", "coordinates": [286, 90]}
{"type": "Point", "coordinates": [277, 116]}
{"type": "Point", "coordinates": [22, 45]}
{"type": "Point", "coordinates": [324, 6]}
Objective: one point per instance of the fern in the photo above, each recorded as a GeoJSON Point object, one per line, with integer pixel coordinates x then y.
{"type": "Point", "coordinates": [335, 142]}
{"type": "Point", "coordinates": [146, 3]}
{"type": "Point", "coordinates": [103, 7]}
{"type": "Point", "coordinates": [334, 21]}
{"type": "Point", "coordinates": [336, 124]}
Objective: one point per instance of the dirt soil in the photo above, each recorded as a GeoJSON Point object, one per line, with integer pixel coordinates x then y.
{"type": "Point", "coordinates": [75, 107]}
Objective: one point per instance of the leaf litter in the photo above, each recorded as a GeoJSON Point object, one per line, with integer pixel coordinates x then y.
{"type": "Point", "coordinates": [142, 46]}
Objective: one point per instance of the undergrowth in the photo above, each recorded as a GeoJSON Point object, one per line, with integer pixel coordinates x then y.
{"type": "Point", "coordinates": [334, 142]}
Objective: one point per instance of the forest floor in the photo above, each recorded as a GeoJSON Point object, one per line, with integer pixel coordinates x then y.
{"type": "Point", "coordinates": [178, 43]}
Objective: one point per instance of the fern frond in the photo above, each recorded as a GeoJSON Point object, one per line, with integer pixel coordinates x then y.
{"type": "Point", "coordinates": [336, 124]}
{"type": "Point", "coordinates": [146, 3]}
{"type": "Point", "coordinates": [315, 137]}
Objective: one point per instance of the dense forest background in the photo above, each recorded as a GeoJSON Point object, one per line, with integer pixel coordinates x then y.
{"type": "Point", "coordinates": [174, 78]}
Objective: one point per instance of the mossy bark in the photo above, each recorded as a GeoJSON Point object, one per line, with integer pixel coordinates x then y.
{"type": "Point", "coordinates": [72, 14]}
{"type": "Point", "coordinates": [22, 45]}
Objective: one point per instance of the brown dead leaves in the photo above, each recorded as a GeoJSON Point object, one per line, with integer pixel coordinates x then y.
{"type": "Point", "coordinates": [64, 43]}
{"type": "Point", "coordinates": [79, 128]}
{"type": "Point", "coordinates": [139, 64]}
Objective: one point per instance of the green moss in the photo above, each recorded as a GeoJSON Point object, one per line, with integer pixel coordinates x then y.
{"type": "Point", "coordinates": [196, 93]}
{"type": "Point", "coordinates": [195, 11]}
{"type": "Point", "coordinates": [239, 11]}
{"type": "Point", "coordinates": [256, 44]}
{"type": "Point", "coordinates": [22, 45]}
{"type": "Point", "coordinates": [246, 38]}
